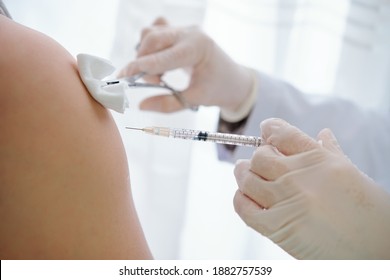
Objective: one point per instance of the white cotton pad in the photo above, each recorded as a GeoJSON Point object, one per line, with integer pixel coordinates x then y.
{"type": "Point", "coordinates": [92, 70]}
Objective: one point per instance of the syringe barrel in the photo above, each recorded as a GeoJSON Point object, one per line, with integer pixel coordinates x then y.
{"type": "Point", "coordinates": [220, 138]}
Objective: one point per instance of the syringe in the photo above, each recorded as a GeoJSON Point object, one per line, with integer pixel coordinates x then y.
{"type": "Point", "coordinates": [190, 134]}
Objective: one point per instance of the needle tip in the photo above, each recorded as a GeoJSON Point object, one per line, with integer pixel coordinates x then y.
{"type": "Point", "coordinates": [135, 128]}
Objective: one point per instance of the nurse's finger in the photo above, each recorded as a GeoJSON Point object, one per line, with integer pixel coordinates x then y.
{"type": "Point", "coordinates": [246, 208]}
{"type": "Point", "coordinates": [275, 223]}
{"type": "Point", "coordinates": [329, 141]}
{"type": "Point", "coordinates": [158, 22]}
{"type": "Point", "coordinates": [268, 163]}
{"type": "Point", "coordinates": [156, 40]}
{"type": "Point", "coordinates": [263, 192]}
{"type": "Point", "coordinates": [161, 61]}
{"type": "Point", "coordinates": [288, 139]}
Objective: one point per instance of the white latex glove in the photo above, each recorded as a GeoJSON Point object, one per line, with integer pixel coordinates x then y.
{"type": "Point", "coordinates": [216, 80]}
{"type": "Point", "coordinates": [308, 198]}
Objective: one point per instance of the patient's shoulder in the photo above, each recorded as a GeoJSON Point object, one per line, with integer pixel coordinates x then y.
{"type": "Point", "coordinates": [64, 181]}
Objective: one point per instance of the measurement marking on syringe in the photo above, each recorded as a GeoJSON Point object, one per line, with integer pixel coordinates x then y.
{"type": "Point", "coordinates": [189, 134]}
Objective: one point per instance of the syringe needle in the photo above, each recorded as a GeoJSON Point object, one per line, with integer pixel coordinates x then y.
{"type": "Point", "coordinates": [151, 130]}
{"type": "Point", "coordinates": [134, 128]}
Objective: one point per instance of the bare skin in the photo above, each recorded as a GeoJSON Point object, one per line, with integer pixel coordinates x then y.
{"type": "Point", "coordinates": [64, 180]}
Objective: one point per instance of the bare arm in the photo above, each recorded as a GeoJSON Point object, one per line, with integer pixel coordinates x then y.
{"type": "Point", "coordinates": [64, 180]}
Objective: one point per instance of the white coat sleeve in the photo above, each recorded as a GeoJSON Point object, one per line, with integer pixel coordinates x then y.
{"type": "Point", "coordinates": [363, 135]}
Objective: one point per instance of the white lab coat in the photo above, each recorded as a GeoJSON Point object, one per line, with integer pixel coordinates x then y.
{"type": "Point", "coordinates": [363, 135]}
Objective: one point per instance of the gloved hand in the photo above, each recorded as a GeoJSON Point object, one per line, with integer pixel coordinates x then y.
{"type": "Point", "coordinates": [216, 80]}
{"type": "Point", "coordinates": [308, 198]}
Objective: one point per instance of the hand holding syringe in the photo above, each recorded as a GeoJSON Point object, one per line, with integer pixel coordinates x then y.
{"type": "Point", "coordinates": [189, 134]}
